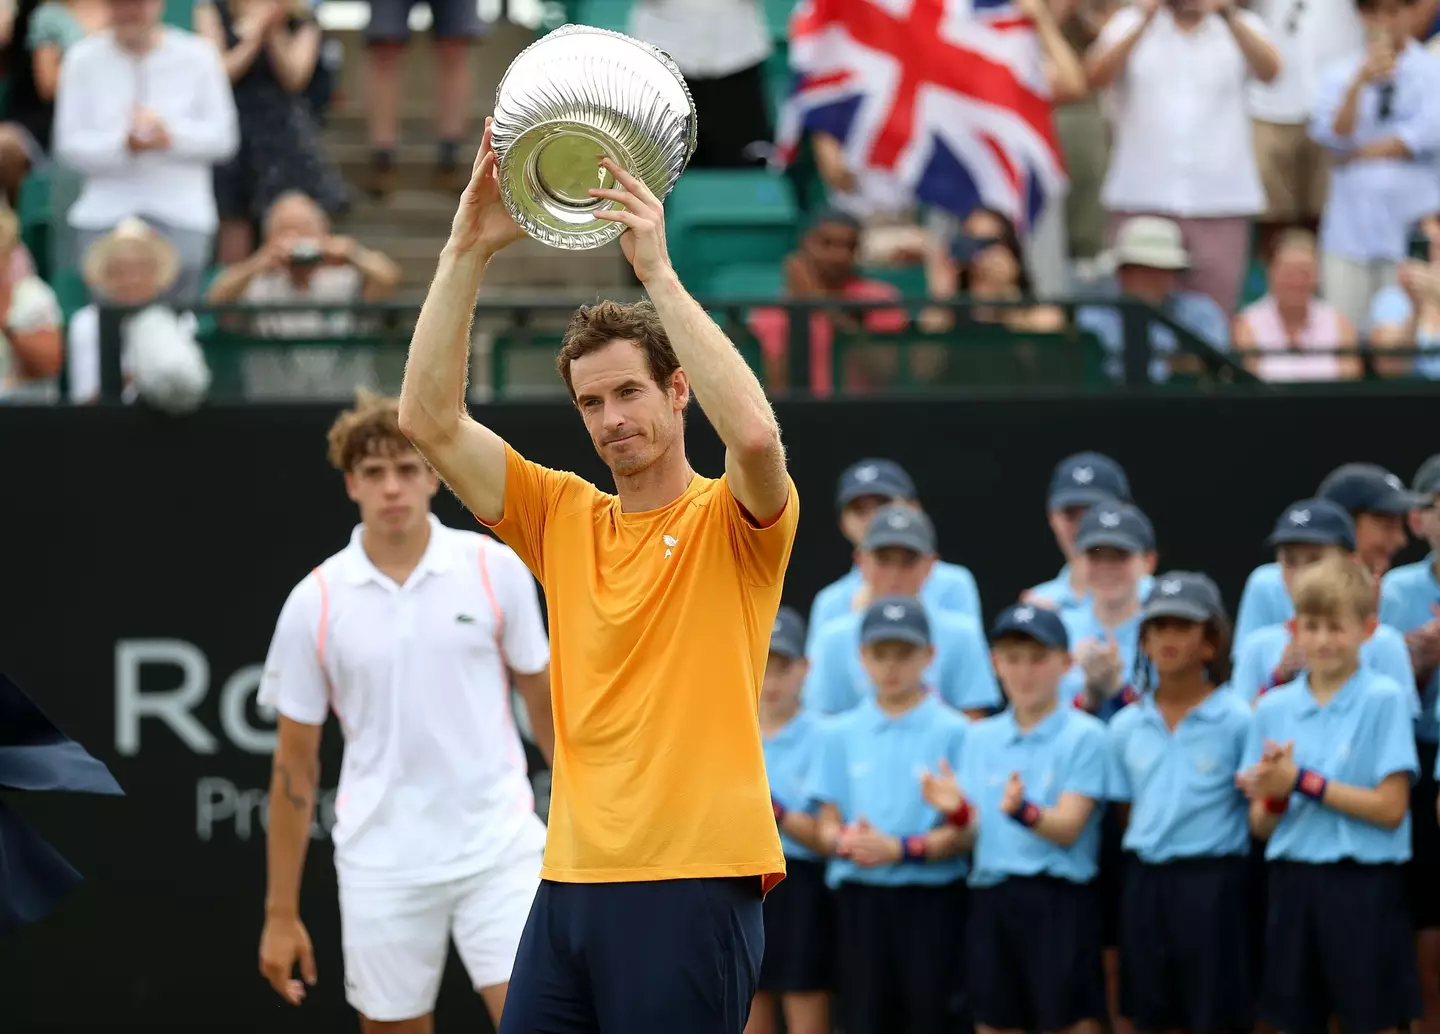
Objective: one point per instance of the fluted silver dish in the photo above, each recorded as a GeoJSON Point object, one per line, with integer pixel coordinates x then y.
{"type": "Point", "coordinates": [571, 96]}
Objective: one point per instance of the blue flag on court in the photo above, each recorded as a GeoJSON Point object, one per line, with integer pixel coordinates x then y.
{"type": "Point", "coordinates": [35, 756]}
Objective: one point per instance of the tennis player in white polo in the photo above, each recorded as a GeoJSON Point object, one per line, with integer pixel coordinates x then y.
{"type": "Point", "coordinates": [411, 634]}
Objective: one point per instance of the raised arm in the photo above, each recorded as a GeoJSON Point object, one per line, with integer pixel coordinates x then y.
{"type": "Point", "coordinates": [433, 415]}
{"type": "Point", "coordinates": [723, 382]}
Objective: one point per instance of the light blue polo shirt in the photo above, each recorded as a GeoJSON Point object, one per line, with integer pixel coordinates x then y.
{"type": "Point", "coordinates": [789, 760]}
{"type": "Point", "coordinates": [949, 587]}
{"type": "Point", "coordinates": [1406, 596]}
{"type": "Point", "coordinates": [1384, 652]}
{"type": "Point", "coordinates": [1181, 783]}
{"type": "Point", "coordinates": [1081, 624]}
{"type": "Point", "coordinates": [1363, 735]}
{"type": "Point", "coordinates": [1061, 595]}
{"type": "Point", "coordinates": [961, 672]}
{"type": "Point", "coordinates": [1067, 752]}
{"type": "Point", "coordinates": [1265, 601]}
{"type": "Point", "coordinates": [869, 766]}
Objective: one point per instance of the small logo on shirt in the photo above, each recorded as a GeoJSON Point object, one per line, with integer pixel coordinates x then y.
{"type": "Point", "coordinates": [1299, 518]}
{"type": "Point", "coordinates": [464, 619]}
{"type": "Point", "coordinates": [860, 770]}
{"type": "Point", "coordinates": [670, 543]}
{"type": "Point", "coordinates": [1083, 475]}
{"type": "Point", "coordinates": [1109, 519]}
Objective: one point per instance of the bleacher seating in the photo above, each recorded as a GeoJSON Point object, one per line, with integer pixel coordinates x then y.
{"type": "Point", "coordinates": [721, 217]}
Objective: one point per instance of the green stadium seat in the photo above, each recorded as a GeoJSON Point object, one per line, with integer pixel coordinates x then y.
{"type": "Point", "coordinates": [747, 281]}
{"type": "Point", "coordinates": [70, 291]}
{"type": "Point", "coordinates": [180, 13]}
{"type": "Point", "coordinates": [777, 14]}
{"type": "Point", "coordinates": [778, 78]}
{"type": "Point", "coordinates": [984, 356]}
{"type": "Point", "coordinates": [723, 217]}
{"type": "Point", "coordinates": [908, 280]}
{"type": "Point", "coordinates": [604, 14]}
{"type": "Point", "coordinates": [33, 211]}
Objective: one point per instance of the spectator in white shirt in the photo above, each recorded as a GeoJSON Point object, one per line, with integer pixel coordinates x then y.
{"type": "Point", "coordinates": [721, 46]}
{"type": "Point", "coordinates": [144, 112]}
{"type": "Point", "coordinates": [1310, 35]}
{"type": "Point", "coordinates": [1182, 148]}
{"type": "Point", "coordinates": [30, 320]}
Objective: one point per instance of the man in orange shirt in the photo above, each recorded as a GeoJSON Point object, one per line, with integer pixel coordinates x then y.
{"type": "Point", "coordinates": [662, 837]}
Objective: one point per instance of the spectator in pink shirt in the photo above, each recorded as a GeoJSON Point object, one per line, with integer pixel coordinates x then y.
{"type": "Point", "coordinates": [825, 268]}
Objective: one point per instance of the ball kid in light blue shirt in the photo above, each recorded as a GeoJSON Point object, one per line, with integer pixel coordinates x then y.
{"type": "Point", "coordinates": [1410, 601]}
{"type": "Point", "coordinates": [1032, 779]}
{"type": "Point", "coordinates": [1307, 533]}
{"type": "Point", "coordinates": [791, 737]}
{"type": "Point", "coordinates": [1115, 547]}
{"type": "Point", "coordinates": [894, 560]}
{"type": "Point", "coordinates": [1179, 747]}
{"type": "Point", "coordinates": [874, 819]}
{"type": "Point", "coordinates": [865, 487]}
{"type": "Point", "coordinates": [1330, 757]}
{"type": "Point", "coordinates": [1376, 501]}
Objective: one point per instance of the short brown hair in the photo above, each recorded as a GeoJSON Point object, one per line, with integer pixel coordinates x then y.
{"type": "Point", "coordinates": [1338, 585]}
{"type": "Point", "coordinates": [595, 326]}
{"type": "Point", "coordinates": [371, 428]}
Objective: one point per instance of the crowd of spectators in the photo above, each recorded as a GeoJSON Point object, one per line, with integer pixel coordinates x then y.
{"type": "Point", "coordinates": [1137, 866]}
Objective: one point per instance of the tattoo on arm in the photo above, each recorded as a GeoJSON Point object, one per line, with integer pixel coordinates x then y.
{"type": "Point", "coordinates": [300, 797]}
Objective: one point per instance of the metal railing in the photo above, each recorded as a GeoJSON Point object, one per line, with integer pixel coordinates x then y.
{"type": "Point", "coordinates": [974, 354]}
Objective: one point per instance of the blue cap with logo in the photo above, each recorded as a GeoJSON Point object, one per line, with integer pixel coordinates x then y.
{"type": "Point", "coordinates": [1316, 522]}
{"type": "Point", "coordinates": [1427, 479]}
{"type": "Point", "coordinates": [1038, 623]}
{"type": "Point", "coordinates": [884, 478]}
{"type": "Point", "coordinates": [900, 526]}
{"type": "Point", "coordinates": [1085, 479]}
{"type": "Point", "coordinates": [1368, 488]}
{"type": "Point", "coordinates": [787, 635]}
{"type": "Point", "coordinates": [1187, 595]}
{"type": "Point", "coordinates": [1116, 525]}
{"type": "Point", "coordinates": [895, 619]}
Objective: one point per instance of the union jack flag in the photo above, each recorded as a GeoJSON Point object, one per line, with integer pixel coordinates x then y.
{"type": "Point", "coordinates": [941, 101]}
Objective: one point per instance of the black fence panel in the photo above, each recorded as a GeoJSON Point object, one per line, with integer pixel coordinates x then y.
{"type": "Point", "coordinates": [145, 561]}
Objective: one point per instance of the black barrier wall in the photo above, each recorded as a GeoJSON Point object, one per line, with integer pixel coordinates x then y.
{"type": "Point", "coordinates": [146, 561]}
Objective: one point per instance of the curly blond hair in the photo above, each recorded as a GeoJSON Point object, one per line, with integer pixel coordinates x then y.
{"type": "Point", "coordinates": [370, 428]}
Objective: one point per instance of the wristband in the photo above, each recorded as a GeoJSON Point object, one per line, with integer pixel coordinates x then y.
{"type": "Point", "coordinates": [914, 849]}
{"type": "Point", "coordinates": [780, 809]}
{"type": "Point", "coordinates": [1028, 815]}
{"type": "Point", "coordinates": [1277, 805]}
{"type": "Point", "coordinates": [1311, 784]}
{"type": "Point", "coordinates": [960, 817]}
{"type": "Point", "coordinates": [1128, 695]}
{"type": "Point", "coordinates": [1080, 703]}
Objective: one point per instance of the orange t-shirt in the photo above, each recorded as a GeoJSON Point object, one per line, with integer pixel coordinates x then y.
{"type": "Point", "coordinates": [659, 631]}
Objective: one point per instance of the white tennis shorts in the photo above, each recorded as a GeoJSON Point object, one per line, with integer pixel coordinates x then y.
{"type": "Point", "coordinates": [395, 939]}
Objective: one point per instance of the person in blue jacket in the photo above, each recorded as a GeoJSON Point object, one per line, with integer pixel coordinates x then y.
{"type": "Point", "coordinates": [898, 867]}
{"type": "Point", "coordinates": [895, 559]}
{"type": "Point", "coordinates": [1328, 766]}
{"type": "Point", "coordinates": [865, 487]}
{"type": "Point", "coordinates": [1377, 502]}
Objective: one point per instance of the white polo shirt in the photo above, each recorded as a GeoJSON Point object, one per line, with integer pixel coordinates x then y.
{"type": "Point", "coordinates": [433, 784]}
{"type": "Point", "coordinates": [1182, 133]}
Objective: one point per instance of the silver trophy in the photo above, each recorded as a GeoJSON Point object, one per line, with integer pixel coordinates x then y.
{"type": "Point", "coordinates": [571, 96]}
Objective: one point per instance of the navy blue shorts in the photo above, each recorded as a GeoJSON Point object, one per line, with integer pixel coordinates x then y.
{"type": "Point", "coordinates": [1420, 873]}
{"type": "Point", "coordinates": [799, 931]}
{"type": "Point", "coordinates": [1185, 935]}
{"type": "Point", "coordinates": [1113, 858]}
{"type": "Point", "coordinates": [1033, 954]}
{"type": "Point", "coordinates": [638, 958]}
{"type": "Point", "coordinates": [900, 965]}
{"type": "Point", "coordinates": [1338, 942]}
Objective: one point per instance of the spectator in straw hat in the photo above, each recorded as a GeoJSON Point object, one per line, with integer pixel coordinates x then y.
{"type": "Point", "coordinates": [132, 266]}
{"type": "Point", "coordinates": [1149, 258]}
{"type": "Point", "coordinates": [30, 348]}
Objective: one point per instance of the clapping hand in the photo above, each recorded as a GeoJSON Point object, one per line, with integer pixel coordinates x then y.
{"type": "Point", "coordinates": [1013, 797]}
{"type": "Point", "coordinates": [1102, 664]}
{"type": "Point", "coordinates": [868, 847]}
{"type": "Point", "coordinates": [1273, 776]}
{"type": "Point", "coordinates": [941, 790]}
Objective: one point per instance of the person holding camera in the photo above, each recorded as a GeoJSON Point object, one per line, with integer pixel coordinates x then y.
{"type": "Point", "coordinates": [1407, 314]}
{"type": "Point", "coordinates": [298, 261]}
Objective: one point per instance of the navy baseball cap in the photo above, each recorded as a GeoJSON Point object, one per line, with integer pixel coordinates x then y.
{"type": "Point", "coordinates": [873, 477]}
{"type": "Point", "coordinates": [901, 526]}
{"type": "Point", "coordinates": [895, 619]}
{"type": "Point", "coordinates": [1085, 479]}
{"type": "Point", "coordinates": [1038, 623]}
{"type": "Point", "coordinates": [1317, 522]}
{"type": "Point", "coordinates": [1116, 525]}
{"type": "Point", "coordinates": [787, 636]}
{"type": "Point", "coordinates": [1187, 595]}
{"type": "Point", "coordinates": [1427, 479]}
{"type": "Point", "coordinates": [1367, 488]}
